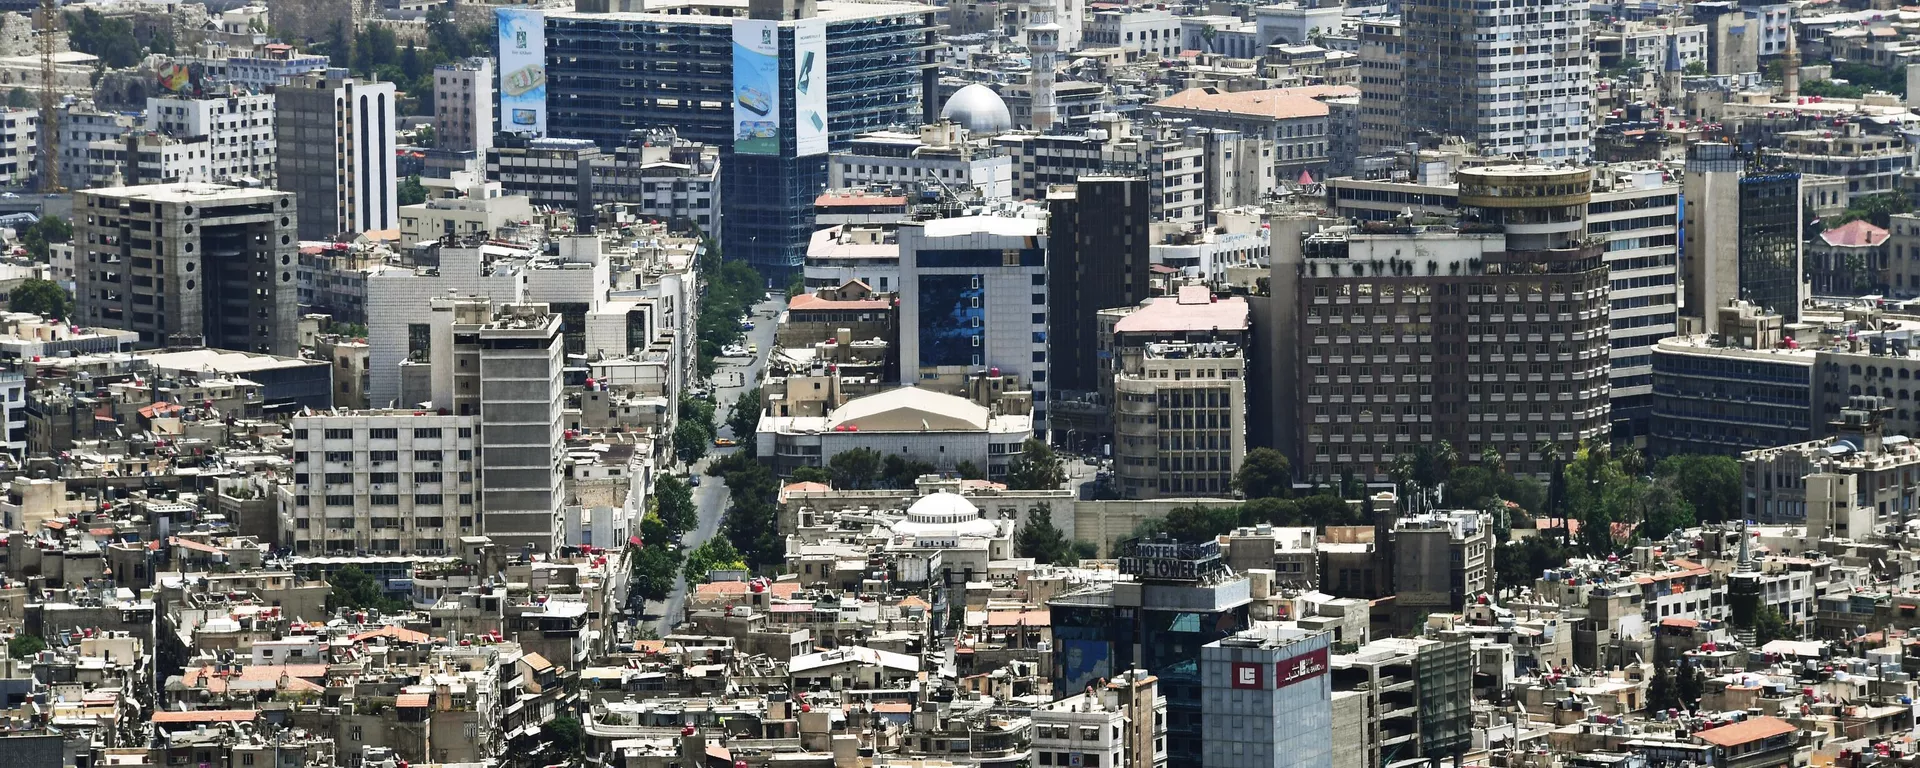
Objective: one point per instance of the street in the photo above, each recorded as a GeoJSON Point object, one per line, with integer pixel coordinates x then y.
{"type": "Point", "coordinates": [733, 376]}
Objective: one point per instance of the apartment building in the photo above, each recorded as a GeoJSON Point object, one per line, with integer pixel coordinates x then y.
{"type": "Point", "coordinates": [381, 482]}
{"type": "Point", "coordinates": [463, 105]}
{"type": "Point", "coordinates": [940, 157]}
{"type": "Point", "coordinates": [232, 136]}
{"type": "Point", "coordinates": [1175, 382]}
{"type": "Point", "coordinates": [335, 139]}
{"type": "Point", "coordinates": [521, 361]}
{"type": "Point", "coordinates": [189, 264]}
{"type": "Point", "coordinates": [1514, 81]}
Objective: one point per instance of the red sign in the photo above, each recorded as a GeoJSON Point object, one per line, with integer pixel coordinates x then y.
{"type": "Point", "coordinates": [1300, 668]}
{"type": "Point", "coordinates": [1246, 675]}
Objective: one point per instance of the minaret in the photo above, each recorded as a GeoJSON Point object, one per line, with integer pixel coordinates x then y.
{"type": "Point", "coordinates": [1790, 71]}
{"type": "Point", "coordinates": [1043, 46]}
{"type": "Point", "coordinates": [1743, 590]}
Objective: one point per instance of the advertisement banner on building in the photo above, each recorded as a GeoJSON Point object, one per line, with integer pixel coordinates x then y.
{"type": "Point", "coordinates": [523, 70]}
{"type": "Point", "coordinates": [810, 86]}
{"type": "Point", "coordinates": [1298, 669]}
{"type": "Point", "coordinates": [756, 87]}
{"type": "Point", "coordinates": [1246, 675]}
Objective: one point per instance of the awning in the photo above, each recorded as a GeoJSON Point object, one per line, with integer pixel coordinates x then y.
{"type": "Point", "coordinates": [635, 541]}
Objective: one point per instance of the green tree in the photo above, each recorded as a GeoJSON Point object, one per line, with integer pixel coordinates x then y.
{"type": "Point", "coordinates": [1661, 693]}
{"type": "Point", "coordinates": [1710, 483]}
{"type": "Point", "coordinates": [1694, 68]}
{"type": "Point", "coordinates": [39, 236]}
{"type": "Point", "coordinates": [1201, 522]}
{"type": "Point", "coordinates": [970, 471]}
{"type": "Point", "coordinates": [1272, 511]}
{"type": "Point", "coordinates": [810, 475]}
{"type": "Point", "coordinates": [1084, 550]}
{"type": "Point", "coordinates": [1264, 473]}
{"type": "Point", "coordinates": [355, 589]}
{"type": "Point", "coordinates": [855, 469]}
{"type": "Point", "coordinates": [25, 645]}
{"type": "Point", "coordinates": [744, 417]}
{"type": "Point", "coordinates": [717, 554]}
{"type": "Point", "coordinates": [412, 192]}
{"type": "Point", "coordinates": [1040, 540]}
{"type": "Point", "coordinates": [1036, 469]}
{"type": "Point", "coordinates": [40, 297]}
{"type": "Point", "coordinates": [1322, 510]}
{"type": "Point", "coordinates": [1689, 683]}
{"type": "Point", "coordinates": [1769, 625]}
{"type": "Point", "coordinates": [18, 98]}
{"type": "Point", "coordinates": [1876, 209]}
{"type": "Point", "coordinates": [655, 567]}
{"type": "Point", "coordinates": [690, 442]}
{"type": "Point", "coordinates": [111, 39]}
{"type": "Point", "coordinates": [566, 735]}
{"type": "Point", "coordinates": [674, 501]}
{"type": "Point", "coordinates": [1517, 564]}
{"type": "Point", "coordinates": [900, 472]}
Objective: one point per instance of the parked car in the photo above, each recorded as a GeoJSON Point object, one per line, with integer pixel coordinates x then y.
{"type": "Point", "coordinates": [724, 442]}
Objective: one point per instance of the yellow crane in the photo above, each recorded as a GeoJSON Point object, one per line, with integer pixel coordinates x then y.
{"type": "Point", "coordinates": [49, 98]}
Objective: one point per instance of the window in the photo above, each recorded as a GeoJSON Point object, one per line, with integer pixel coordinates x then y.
{"type": "Point", "coordinates": [383, 456]}
{"type": "Point", "coordinates": [466, 431]}
{"type": "Point", "coordinates": [384, 499]}
{"type": "Point", "coordinates": [426, 477]}
{"type": "Point", "coordinates": [340, 500]}
{"type": "Point", "coordinates": [339, 434]}
{"type": "Point", "coordinates": [426, 455]}
{"type": "Point", "coordinates": [341, 456]}
{"type": "Point", "coordinates": [383, 477]}
{"type": "Point", "coordinates": [383, 434]}
{"type": "Point", "coordinates": [339, 477]}
{"type": "Point", "coordinates": [427, 432]}
{"type": "Point", "coordinates": [426, 498]}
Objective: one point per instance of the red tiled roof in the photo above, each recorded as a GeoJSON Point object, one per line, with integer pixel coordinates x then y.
{"type": "Point", "coordinates": [1855, 233]}
{"type": "Point", "coordinates": [1272, 103]}
{"type": "Point", "coordinates": [407, 700]}
{"type": "Point", "coordinates": [397, 634]}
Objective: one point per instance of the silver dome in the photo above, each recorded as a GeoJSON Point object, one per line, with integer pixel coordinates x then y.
{"type": "Point", "coordinates": [978, 109]}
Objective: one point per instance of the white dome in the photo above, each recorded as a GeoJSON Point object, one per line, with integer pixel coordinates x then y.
{"type": "Point", "coordinates": [978, 109]}
{"type": "Point", "coordinates": [944, 515]}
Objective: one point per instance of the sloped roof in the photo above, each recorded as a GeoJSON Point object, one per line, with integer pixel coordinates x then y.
{"type": "Point", "coordinates": [1271, 103]}
{"type": "Point", "coordinates": [1855, 233]}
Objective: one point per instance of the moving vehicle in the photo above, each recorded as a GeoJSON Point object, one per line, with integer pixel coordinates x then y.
{"type": "Point", "coordinates": [724, 442]}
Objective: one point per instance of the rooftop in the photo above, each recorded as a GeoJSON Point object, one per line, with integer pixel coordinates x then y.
{"type": "Point", "coordinates": [1273, 103]}
{"type": "Point", "coordinates": [1194, 309]}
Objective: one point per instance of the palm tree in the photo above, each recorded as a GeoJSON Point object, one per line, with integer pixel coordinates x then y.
{"type": "Point", "coordinates": [1493, 460]}
{"type": "Point", "coordinates": [1556, 482]}
{"type": "Point", "coordinates": [1632, 461]}
{"type": "Point", "coordinates": [1402, 474]}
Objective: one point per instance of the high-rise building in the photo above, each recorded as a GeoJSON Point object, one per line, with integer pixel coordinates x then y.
{"type": "Point", "coordinates": [974, 298]}
{"type": "Point", "coordinates": [1382, 57]}
{"type": "Point", "coordinates": [335, 141]}
{"type": "Point", "coordinates": [463, 105]}
{"type": "Point", "coordinates": [1494, 336]}
{"type": "Point", "coordinates": [380, 482]}
{"type": "Point", "coordinates": [1268, 700]}
{"type": "Point", "coordinates": [521, 427]}
{"type": "Point", "coordinates": [1743, 238]}
{"type": "Point", "coordinates": [1637, 213]}
{"type": "Point", "coordinates": [671, 66]}
{"type": "Point", "coordinates": [1097, 258]}
{"type": "Point", "coordinates": [189, 264]}
{"type": "Point", "coordinates": [232, 135]}
{"type": "Point", "coordinates": [1516, 81]}
{"type": "Point", "coordinates": [1174, 380]}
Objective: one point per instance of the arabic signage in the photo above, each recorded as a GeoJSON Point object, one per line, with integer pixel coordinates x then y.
{"type": "Point", "coordinates": [1300, 668]}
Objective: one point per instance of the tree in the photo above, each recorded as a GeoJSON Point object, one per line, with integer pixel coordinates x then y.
{"type": "Point", "coordinates": [969, 471]}
{"type": "Point", "coordinates": [412, 192]}
{"type": "Point", "coordinates": [111, 39]}
{"type": "Point", "coordinates": [1517, 563]}
{"type": "Point", "coordinates": [425, 136]}
{"type": "Point", "coordinates": [1284, 512]}
{"type": "Point", "coordinates": [1084, 550]}
{"type": "Point", "coordinates": [810, 475]}
{"type": "Point", "coordinates": [1769, 625]}
{"type": "Point", "coordinates": [655, 567]}
{"type": "Point", "coordinates": [1264, 473]}
{"type": "Point", "coordinates": [1661, 693]}
{"type": "Point", "coordinates": [18, 98]}
{"type": "Point", "coordinates": [1664, 512]}
{"type": "Point", "coordinates": [38, 236]}
{"type": "Point", "coordinates": [354, 589]}
{"type": "Point", "coordinates": [1710, 483]}
{"type": "Point", "coordinates": [901, 472]}
{"type": "Point", "coordinates": [675, 505]}
{"type": "Point", "coordinates": [717, 554]}
{"type": "Point", "coordinates": [744, 417]}
{"type": "Point", "coordinates": [1324, 509]}
{"type": "Point", "coordinates": [24, 646]}
{"type": "Point", "coordinates": [565, 733]}
{"type": "Point", "coordinates": [1689, 683]}
{"type": "Point", "coordinates": [1201, 522]}
{"type": "Point", "coordinates": [1036, 469]}
{"type": "Point", "coordinates": [855, 469]}
{"type": "Point", "coordinates": [690, 442]}
{"type": "Point", "coordinates": [1040, 540]}
{"type": "Point", "coordinates": [1694, 68]}
{"type": "Point", "coordinates": [1876, 209]}
{"type": "Point", "coordinates": [38, 296]}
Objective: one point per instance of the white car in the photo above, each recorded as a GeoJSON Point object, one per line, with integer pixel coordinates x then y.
{"type": "Point", "coordinates": [734, 351]}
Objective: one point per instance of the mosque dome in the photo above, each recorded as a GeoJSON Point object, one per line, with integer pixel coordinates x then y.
{"type": "Point", "coordinates": [944, 515]}
{"type": "Point", "coordinates": [978, 109]}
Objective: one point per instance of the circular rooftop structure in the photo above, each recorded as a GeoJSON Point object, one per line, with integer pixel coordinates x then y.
{"type": "Point", "coordinates": [978, 109]}
{"type": "Point", "coordinates": [944, 515]}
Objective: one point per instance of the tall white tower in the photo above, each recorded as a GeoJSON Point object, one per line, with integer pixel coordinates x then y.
{"type": "Point", "coordinates": [1043, 45]}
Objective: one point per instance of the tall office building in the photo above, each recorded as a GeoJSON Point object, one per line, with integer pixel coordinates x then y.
{"type": "Point", "coordinates": [1637, 213]}
{"type": "Point", "coordinates": [380, 482]}
{"type": "Point", "coordinates": [1493, 336]}
{"type": "Point", "coordinates": [189, 264]}
{"type": "Point", "coordinates": [233, 135]}
{"type": "Point", "coordinates": [1516, 81]}
{"type": "Point", "coordinates": [521, 427]}
{"type": "Point", "coordinates": [671, 66]}
{"type": "Point", "coordinates": [1175, 372]}
{"type": "Point", "coordinates": [463, 105]}
{"type": "Point", "coordinates": [336, 151]}
{"type": "Point", "coordinates": [973, 298]}
{"type": "Point", "coordinates": [1743, 238]}
{"type": "Point", "coordinates": [1097, 258]}
{"type": "Point", "coordinates": [1382, 57]}
{"type": "Point", "coordinates": [1268, 699]}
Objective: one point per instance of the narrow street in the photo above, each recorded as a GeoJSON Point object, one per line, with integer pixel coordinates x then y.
{"type": "Point", "coordinates": [733, 376]}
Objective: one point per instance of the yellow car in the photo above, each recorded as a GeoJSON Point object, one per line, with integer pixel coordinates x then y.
{"type": "Point", "coordinates": [753, 349]}
{"type": "Point", "coordinates": [724, 442]}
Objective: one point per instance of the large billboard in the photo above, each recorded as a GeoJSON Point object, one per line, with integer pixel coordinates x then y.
{"type": "Point", "coordinates": [756, 87]}
{"type": "Point", "coordinates": [810, 86]}
{"type": "Point", "coordinates": [523, 70]}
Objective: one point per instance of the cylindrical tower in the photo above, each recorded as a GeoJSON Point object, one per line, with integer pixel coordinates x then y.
{"type": "Point", "coordinates": [1043, 45]}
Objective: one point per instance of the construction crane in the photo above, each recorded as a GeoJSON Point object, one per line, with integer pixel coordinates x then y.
{"type": "Point", "coordinates": [49, 99]}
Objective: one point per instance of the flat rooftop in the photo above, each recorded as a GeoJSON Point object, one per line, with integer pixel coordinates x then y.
{"type": "Point", "coordinates": [185, 192]}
